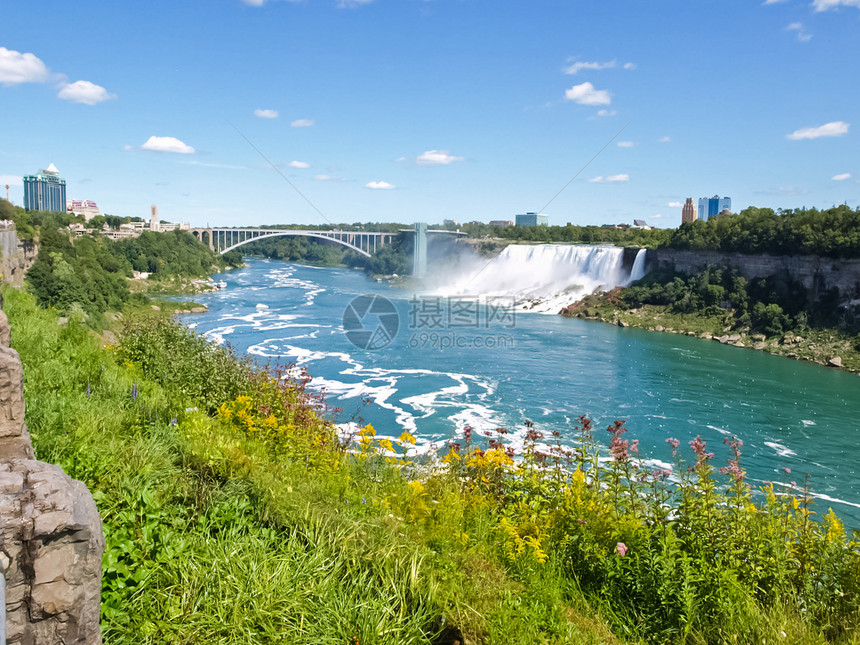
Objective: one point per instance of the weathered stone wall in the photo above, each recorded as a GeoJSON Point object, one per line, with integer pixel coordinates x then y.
{"type": "Point", "coordinates": [817, 274]}
{"type": "Point", "coordinates": [51, 540]}
{"type": "Point", "coordinates": [16, 257]}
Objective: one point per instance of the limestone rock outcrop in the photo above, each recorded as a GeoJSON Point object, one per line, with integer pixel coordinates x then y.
{"type": "Point", "coordinates": [51, 539]}
{"type": "Point", "coordinates": [51, 544]}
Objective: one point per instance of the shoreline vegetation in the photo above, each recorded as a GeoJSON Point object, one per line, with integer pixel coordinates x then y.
{"type": "Point", "coordinates": [235, 511]}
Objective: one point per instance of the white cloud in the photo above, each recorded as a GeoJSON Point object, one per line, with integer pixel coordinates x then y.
{"type": "Point", "coordinates": [802, 35]}
{"type": "Point", "coordinates": [303, 123]}
{"type": "Point", "coordinates": [832, 129]}
{"type": "Point", "coordinates": [585, 94]}
{"type": "Point", "coordinates": [167, 144]}
{"type": "Point", "coordinates": [611, 179]}
{"type": "Point", "coordinates": [825, 5]}
{"type": "Point", "coordinates": [626, 144]}
{"type": "Point", "coordinates": [85, 92]}
{"type": "Point", "coordinates": [581, 65]}
{"type": "Point", "coordinates": [379, 185]}
{"type": "Point", "coordinates": [675, 205]}
{"type": "Point", "coordinates": [842, 177]}
{"type": "Point", "coordinates": [766, 2]}
{"type": "Point", "coordinates": [347, 4]}
{"type": "Point", "coordinates": [629, 65]}
{"type": "Point", "coordinates": [266, 114]}
{"type": "Point", "coordinates": [299, 164]}
{"type": "Point", "coordinates": [16, 67]}
{"type": "Point", "coordinates": [657, 215]}
{"type": "Point", "coordinates": [664, 139]}
{"type": "Point", "coordinates": [436, 158]}
{"type": "Point", "coordinates": [606, 112]}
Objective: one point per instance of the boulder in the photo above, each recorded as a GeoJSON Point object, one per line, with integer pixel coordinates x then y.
{"type": "Point", "coordinates": [836, 361]}
{"type": "Point", "coordinates": [51, 542]}
{"type": "Point", "coordinates": [5, 330]}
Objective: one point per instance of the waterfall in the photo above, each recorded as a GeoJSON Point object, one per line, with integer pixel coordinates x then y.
{"type": "Point", "coordinates": [638, 270]}
{"type": "Point", "coordinates": [545, 277]}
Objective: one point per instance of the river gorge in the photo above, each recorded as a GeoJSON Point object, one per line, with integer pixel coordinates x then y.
{"type": "Point", "coordinates": [450, 365]}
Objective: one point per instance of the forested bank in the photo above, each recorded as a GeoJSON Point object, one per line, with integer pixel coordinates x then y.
{"type": "Point", "coordinates": [90, 273]}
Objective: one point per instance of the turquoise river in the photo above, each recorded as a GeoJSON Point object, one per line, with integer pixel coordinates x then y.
{"type": "Point", "coordinates": [451, 365]}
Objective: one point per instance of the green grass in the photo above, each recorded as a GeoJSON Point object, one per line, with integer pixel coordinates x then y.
{"type": "Point", "coordinates": [233, 516]}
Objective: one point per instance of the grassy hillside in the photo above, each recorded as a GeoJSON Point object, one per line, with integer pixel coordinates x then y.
{"type": "Point", "coordinates": [235, 513]}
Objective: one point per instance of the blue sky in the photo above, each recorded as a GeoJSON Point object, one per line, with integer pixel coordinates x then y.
{"type": "Point", "coordinates": [422, 110]}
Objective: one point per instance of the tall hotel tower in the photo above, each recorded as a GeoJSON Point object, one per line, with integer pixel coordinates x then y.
{"type": "Point", "coordinates": [45, 191]}
{"type": "Point", "coordinates": [688, 213]}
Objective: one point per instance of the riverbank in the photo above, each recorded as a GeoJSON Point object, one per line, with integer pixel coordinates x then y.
{"type": "Point", "coordinates": [827, 347]}
{"type": "Point", "coordinates": [222, 489]}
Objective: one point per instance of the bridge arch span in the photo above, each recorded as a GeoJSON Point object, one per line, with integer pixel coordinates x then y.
{"type": "Point", "coordinates": [282, 233]}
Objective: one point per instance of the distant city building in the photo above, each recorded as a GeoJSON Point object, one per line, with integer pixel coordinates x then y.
{"type": "Point", "coordinates": [153, 219]}
{"type": "Point", "coordinates": [503, 223]}
{"type": "Point", "coordinates": [641, 224]}
{"type": "Point", "coordinates": [450, 222]}
{"type": "Point", "coordinates": [166, 227]}
{"type": "Point", "coordinates": [45, 191]}
{"type": "Point", "coordinates": [85, 207]}
{"type": "Point", "coordinates": [711, 206]}
{"type": "Point", "coordinates": [688, 213]}
{"type": "Point", "coordinates": [532, 219]}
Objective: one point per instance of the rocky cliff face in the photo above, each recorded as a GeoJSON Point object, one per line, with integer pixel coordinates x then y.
{"type": "Point", "coordinates": [51, 540]}
{"type": "Point", "coordinates": [817, 274]}
{"type": "Point", "coordinates": [16, 257]}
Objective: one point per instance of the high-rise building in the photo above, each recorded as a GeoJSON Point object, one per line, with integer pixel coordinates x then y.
{"type": "Point", "coordinates": [710, 206]}
{"type": "Point", "coordinates": [154, 224]}
{"type": "Point", "coordinates": [688, 213]}
{"type": "Point", "coordinates": [532, 219]}
{"type": "Point", "coordinates": [45, 191]}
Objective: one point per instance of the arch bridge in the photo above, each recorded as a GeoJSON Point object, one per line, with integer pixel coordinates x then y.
{"type": "Point", "coordinates": [222, 240]}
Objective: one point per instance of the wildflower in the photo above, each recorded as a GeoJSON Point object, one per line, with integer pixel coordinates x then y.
{"type": "Point", "coordinates": [89, 391]}
{"type": "Point", "coordinates": [621, 549]}
{"type": "Point", "coordinates": [674, 443]}
{"type": "Point", "coordinates": [467, 433]}
{"type": "Point", "coordinates": [133, 391]}
{"type": "Point", "coordinates": [174, 421]}
{"type": "Point", "coordinates": [698, 447]}
{"type": "Point", "coordinates": [406, 438]}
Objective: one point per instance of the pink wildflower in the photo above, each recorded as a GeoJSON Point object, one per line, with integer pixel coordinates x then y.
{"type": "Point", "coordinates": [674, 443]}
{"type": "Point", "coordinates": [621, 549]}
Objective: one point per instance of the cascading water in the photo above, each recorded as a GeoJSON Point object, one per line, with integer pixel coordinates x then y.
{"type": "Point", "coordinates": [546, 277]}
{"type": "Point", "coordinates": [638, 270]}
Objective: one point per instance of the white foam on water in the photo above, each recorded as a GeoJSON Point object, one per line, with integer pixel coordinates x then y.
{"type": "Point", "coordinates": [781, 451]}
{"type": "Point", "coordinates": [807, 422]}
{"type": "Point", "coordinates": [720, 430]}
{"type": "Point", "coordinates": [283, 278]}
